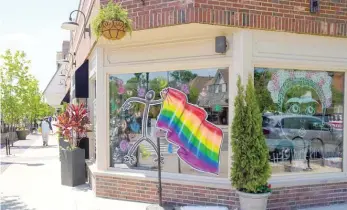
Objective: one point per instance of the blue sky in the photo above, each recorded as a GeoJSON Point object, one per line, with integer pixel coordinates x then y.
{"type": "Point", "coordinates": [34, 27]}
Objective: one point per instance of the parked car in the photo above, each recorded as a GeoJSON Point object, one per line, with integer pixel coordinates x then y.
{"type": "Point", "coordinates": [286, 133]}
{"type": "Point", "coordinates": [334, 119]}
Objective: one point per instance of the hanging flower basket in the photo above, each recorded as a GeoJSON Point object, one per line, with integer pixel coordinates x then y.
{"type": "Point", "coordinates": [113, 29]}
{"type": "Point", "coordinates": [112, 22]}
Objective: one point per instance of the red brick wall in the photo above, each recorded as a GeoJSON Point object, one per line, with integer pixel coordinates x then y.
{"type": "Point", "coordinates": [279, 15]}
{"type": "Point", "coordinates": [281, 198]}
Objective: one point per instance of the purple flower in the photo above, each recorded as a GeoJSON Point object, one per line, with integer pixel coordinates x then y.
{"type": "Point", "coordinates": [124, 146]}
{"type": "Point", "coordinates": [119, 82]}
{"type": "Point", "coordinates": [141, 92]}
{"type": "Point", "coordinates": [185, 88]}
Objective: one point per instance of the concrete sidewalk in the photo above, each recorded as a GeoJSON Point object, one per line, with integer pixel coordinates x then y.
{"type": "Point", "coordinates": [19, 147]}
{"type": "Point", "coordinates": [32, 181]}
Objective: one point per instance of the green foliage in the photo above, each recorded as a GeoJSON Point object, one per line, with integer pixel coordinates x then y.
{"type": "Point", "coordinates": [193, 95]}
{"type": "Point", "coordinates": [263, 95]}
{"type": "Point", "coordinates": [21, 99]}
{"type": "Point", "coordinates": [73, 124]}
{"type": "Point", "coordinates": [266, 103]}
{"type": "Point", "coordinates": [157, 85]}
{"type": "Point", "coordinates": [183, 76]}
{"type": "Point", "coordinates": [13, 74]}
{"type": "Point", "coordinates": [250, 168]}
{"type": "Point", "coordinates": [112, 11]}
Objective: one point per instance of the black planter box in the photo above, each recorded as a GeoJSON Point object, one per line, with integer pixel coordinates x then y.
{"type": "Point", "coordinates": [84, 144]}
{"type": "Point", "coordinates": [62, 145]}
{"type": "Point", "coordinates": [72, 167]}
{"type": "Point", "coordinates": [22, 135]}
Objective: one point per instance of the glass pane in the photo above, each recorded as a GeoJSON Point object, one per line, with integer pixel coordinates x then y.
{"type": "Point", "coordinates": [302, 119]}
{"type": "Point", "coordinates": [200, 87]}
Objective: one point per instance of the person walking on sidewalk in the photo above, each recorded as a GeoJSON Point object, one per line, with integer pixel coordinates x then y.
{"type": "Point", "coordinates": [45, 129]}
{"type": "Point", "coordinates": [49, 120]}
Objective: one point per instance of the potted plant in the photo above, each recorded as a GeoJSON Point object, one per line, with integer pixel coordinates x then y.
{"type": "Point", "coordinates": [250, 168]}
{"type": "Point", "coordinates": [112, 22]}
{"type": "Point", "coordinates": [22, 133]}
{"type": "Point", "coordinates": [73, 125]}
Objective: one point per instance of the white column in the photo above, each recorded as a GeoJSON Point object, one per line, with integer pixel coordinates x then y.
{"type": "Point", "coordinates": [241, 65]}
{"type": "Point", "coordinates": [101, 118]}
{"type": "Point", "coordinates": [91, 116]}
{"type": "Point", "coordinates": [344, 151]}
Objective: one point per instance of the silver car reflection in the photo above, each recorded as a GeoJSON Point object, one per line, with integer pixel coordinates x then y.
{"type": "Point", "coordinates": [285, 133]}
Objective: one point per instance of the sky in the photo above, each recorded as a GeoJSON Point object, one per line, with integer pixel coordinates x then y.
{"type": "Point", "coordinates": [33, 26]}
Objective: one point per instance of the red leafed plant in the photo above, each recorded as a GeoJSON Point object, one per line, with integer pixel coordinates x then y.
{"type": "Point", "coordinates": [74, 123]}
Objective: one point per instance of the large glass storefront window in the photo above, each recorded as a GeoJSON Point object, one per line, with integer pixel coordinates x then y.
{"type": "Point", "coordinates": [205, 88]}
{"type": "Point", "coordinates": [302, 119]}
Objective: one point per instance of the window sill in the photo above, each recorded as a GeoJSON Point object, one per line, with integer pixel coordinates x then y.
{"type": "Point", "coordinates": [166, 177]}
{"type": "Point", "coordinates": [291, 180]}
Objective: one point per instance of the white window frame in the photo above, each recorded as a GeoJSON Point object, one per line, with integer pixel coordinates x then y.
{"type": "Point", "coordinates": [171, 177]}
{"type": "Point", "coordinates": [307, 63]}
{"type": "Point", "coordinates": [243, 61]}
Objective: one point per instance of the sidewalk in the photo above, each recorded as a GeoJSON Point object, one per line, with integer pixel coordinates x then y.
{"type": "Point", "coordinates": [19, 147]}
{"type": "Point", "coordinates": [32, 181]}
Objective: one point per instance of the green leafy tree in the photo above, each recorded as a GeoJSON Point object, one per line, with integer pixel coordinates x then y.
{"type": "Point", "coordinates": [32, 99]}
{"type": "Point", "coordinates": [183, 76]}
{"type": "Point", "coordinates": [250, 168]}
{"type": "Point", "coordinates": [21, 99]}
{"type": "Point", "coordinates": [157, 85]}
{"type": "Point", "coordinates": [193, 95]}
{"type": "Point", "coordinates": [14, 77]}
{"type": "Point", "coordinates": [263, 95]}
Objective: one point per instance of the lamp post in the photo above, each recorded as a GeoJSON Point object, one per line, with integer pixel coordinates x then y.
{"type": "Point", "coordinates": [64, 72]}
{"type": "Point", "coordinates": [73, 25]}
{"type": "Point", "coordinates": [63, 82]}
{"type": "Point", "coordinates": [70, 57]}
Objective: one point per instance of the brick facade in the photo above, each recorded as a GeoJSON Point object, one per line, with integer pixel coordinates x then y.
{"type": "Point", "coordinates": [281, 198]}
{"type": "Point", "coordinates": [277, 15]}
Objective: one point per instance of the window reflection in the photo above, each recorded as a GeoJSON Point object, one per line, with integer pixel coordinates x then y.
{"type": "Point", "coordinates": [207, 88]}
{"type": "Point", "coordinates": [302, 118]}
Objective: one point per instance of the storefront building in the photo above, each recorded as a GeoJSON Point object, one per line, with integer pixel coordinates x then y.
{"type": "Point", "coordinates": [298, 61]}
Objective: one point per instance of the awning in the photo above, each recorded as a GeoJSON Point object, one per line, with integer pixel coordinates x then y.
{"type": "Point", "coordinates": [55, 90]}
{"type": "Point", "coordinates": [81, 82]}
{"type": "Point", "coordinates": [66, 99]}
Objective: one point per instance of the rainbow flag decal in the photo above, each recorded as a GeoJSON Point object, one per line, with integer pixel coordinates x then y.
{"type": "Point", "coordinates": [198, 140]}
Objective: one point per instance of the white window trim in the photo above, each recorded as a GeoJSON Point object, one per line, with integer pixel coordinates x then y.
{"type": "Point", "coordinates": [271, 59]}
{"type": "Point", "coordinates": [243, 62]}
{"type": "Point", "coordinates": [284, 180]}
{"type": "Point", "coordinates": [166, 176]}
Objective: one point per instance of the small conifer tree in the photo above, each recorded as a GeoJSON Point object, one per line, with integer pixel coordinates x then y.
{"type": "Point", "coordinates": [250, 168]}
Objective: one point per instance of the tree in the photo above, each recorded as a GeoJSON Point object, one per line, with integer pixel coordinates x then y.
{"type": "Point", "coordinates": [157, 85]}
{"type": "Point", "coordinates": [32, 99]}
{"type": "Point", "coordinates": [14, 76]}
{"type": "Point", "coordinates": [183, 76]}
{"type": "Point", "coordinates": [193, 95]}
{"type": "Point", "coordinates": [263, 95]}
{"type": "Point", "coordinates": [21, 99]}
{"type": "Point", "coordinates": [250, 168]}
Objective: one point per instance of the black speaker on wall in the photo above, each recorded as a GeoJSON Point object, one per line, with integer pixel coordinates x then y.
{"type": "Point", "coordinates": [314, 6]}
{"type": "Point", "coordinates": [221, 44]}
